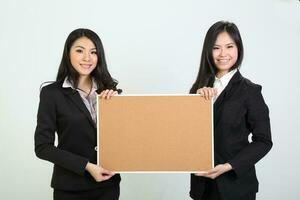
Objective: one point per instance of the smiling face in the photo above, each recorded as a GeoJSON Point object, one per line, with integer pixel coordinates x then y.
{"type": "Point", "coordinates": [225, 53]}
{"type": "Point", "coordinates": [83, 56]}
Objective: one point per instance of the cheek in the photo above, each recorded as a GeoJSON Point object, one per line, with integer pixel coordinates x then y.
{"type": "Point", "coordinates": [73, 60]}
{"type": "Point", "coordinates": [215, 54]}
{"type": "Point", "coordinates": [234, 55]}
{"type": "Point", "coordinates": [236, 52]}
{"type": "Point", "coordinates": [74, 57]}
{"type": "Point", "coordinates": [95, 59]}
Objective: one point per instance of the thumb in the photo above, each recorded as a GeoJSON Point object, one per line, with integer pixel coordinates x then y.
{"type": "Point", "coordinates": [105, 171]}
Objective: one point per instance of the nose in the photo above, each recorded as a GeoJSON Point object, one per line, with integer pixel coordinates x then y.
{"type": "Point", "coordinates": [86, 56]}
{"type": "Point", "coordinates": [223, 52]}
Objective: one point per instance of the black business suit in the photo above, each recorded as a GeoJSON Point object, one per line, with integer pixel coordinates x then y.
{"type": "Point", "coordinates": [62, 110]}
{"type": "Point", "coordinates": [238, 111]}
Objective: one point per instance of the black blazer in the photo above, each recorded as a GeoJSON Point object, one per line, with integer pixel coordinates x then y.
{"type": "Point", "coordinates": [239, 110]}
{"type": "Point", "coordinates": [62, 110]}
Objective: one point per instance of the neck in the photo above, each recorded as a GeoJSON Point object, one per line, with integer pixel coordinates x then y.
{"type": "Point", "coordinates": [84, 83]}
{"type": "Point", "coordinates": [221, 73]}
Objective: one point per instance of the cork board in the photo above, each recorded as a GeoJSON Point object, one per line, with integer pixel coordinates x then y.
{"type": "Point", "coordinates": [155, 133]}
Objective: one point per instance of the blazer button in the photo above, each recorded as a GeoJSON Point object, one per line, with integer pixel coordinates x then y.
{"type": "Point", "coordinates": [96, 148]}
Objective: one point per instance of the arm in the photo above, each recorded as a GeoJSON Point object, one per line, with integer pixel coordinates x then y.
{"type": "Point", "coordinates": [258, 123]}
{"type": "Point", "coordinates": [208, 93]}
{"type": "Point", "coordinates": [45, 135]}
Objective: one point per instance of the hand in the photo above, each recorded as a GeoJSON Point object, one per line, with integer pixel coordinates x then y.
{"type": "Point", "coordinates": [215, 172]}
{"type": "Point", "coordinates": [98, 173]}
{"type": "Point", "coordinates": [107, 94]}
{"type": "Point", "coordinates": [207, 92]}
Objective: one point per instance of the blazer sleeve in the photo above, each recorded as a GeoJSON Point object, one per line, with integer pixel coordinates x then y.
{"type": "Point", "coordinates": [258, 122]}
{"type": "Point", "coordinates": [45, 136]}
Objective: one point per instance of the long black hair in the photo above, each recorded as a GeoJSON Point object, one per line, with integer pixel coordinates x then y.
{"type": "Point", "coordinates": [208, 70]}
{"type": "Point", "coordinates": [100, 74]}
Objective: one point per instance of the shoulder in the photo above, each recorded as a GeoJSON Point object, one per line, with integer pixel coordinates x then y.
{"type": "Point", "coordinates": [50, 88]}
{"type": "Point", "coordinates": [249, 86]}
{"type": "Point", "coordinates": [252, 91]}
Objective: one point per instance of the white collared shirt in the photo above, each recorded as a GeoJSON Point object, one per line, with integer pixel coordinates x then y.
{"type": "Point", "coordinates": [221, 83]}
{"type": "Point", "coordinates": [89, 101]}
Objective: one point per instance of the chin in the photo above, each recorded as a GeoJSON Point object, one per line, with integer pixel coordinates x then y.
{"type": "Point", "coordinates": [224, 68]}
{"type": "Point", "coordinates": [85, 73]}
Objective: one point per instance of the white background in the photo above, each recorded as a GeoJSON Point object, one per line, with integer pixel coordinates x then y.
{"type": "Point", "coordinates": [151, 47]}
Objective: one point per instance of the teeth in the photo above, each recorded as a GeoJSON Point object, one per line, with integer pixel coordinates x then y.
{"type": "Point", "coordinates": [85, 66]}
{"type": "Point", "coordinates": [223, 61]}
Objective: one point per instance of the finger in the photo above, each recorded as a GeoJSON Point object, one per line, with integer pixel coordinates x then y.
{"type": "Point", "coordinates": [98, 179]}
{"type": "Point", "coordinates": [113, 173]}
{"type": "Point", "coordinates": [109, 94]}
{"type": "Point", "coordinates": [213, 170]}
{"type": "Point", "coordinates": [105, 172]}
{"type": "Point", "coordinates": [199, 91]}
{"type": "Point", "coordinates": [101, 94]}
{"type": "Point", "coordinates": [202, 173]}
{"type": "Point", "coordinates": [115, 93]}
{"type": "Point", "coordinates": [199, 174]}
{"type": "Point", "coordinates": [206, 93]}
{"type": "Point", "coordinates": [106, 177]}
{"type": "Point", "coordinates": [202, 90]}
{"type": "Point", "coordinates": [210, 174]}
{"type": "Point", "coordinates": [215, 91]}
{"type": "Point", "coordinates": [105, 94]}
{"type": "Point", "coordinates": [213, 176]}
{"type": "Point", "coordinates": [202, 93]}
{"type": "Point", "coordinates": [210, 93]}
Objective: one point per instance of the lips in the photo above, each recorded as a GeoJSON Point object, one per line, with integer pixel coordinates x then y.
{"type": "Point", "coordinates": [86, 66]}
{"type": "Point", "coordinates": [223, 61]}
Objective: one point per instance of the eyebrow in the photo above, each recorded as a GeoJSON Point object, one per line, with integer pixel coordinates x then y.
{"type": "Point", "coordinates": [231, 43]}
{"type": "Point", "coordinates": [83, 47]}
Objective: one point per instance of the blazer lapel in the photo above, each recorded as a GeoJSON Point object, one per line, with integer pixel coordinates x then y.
{"type": "Point", "coordinates": [226, 93]}
{"type": "Point", "coordinates": [76, 99]}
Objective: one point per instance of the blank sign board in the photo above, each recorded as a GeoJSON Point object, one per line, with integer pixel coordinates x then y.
{"type": "Point", "coordinates": [155, 133]}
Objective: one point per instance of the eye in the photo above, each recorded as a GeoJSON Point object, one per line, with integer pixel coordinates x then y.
{"type": "Point", "coordinates": [230, 46]}
{"type": "Point", "coordinates": [215, 48]}
{"type": "Point", "coordinates": [94, 52]}
{"type": "Point", "coordinates": [78, 50]}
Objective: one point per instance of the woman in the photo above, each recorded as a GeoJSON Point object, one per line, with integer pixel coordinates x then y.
{"type": "Point", "coordinates": [239, 110]}
{"type": "Point", "coordinates": [68, 107]}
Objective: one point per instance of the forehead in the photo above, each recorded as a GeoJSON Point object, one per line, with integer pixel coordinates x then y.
{"type": "Point", "coordinates": [84, 42]}
{"type": "Point", "coordinates": [224, 38]}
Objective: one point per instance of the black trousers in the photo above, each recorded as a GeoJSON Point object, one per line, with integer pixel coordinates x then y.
{"type": "Point", "coordinates": [101, 193]}
{"type": "Point", "coordinates": [211, 192]}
